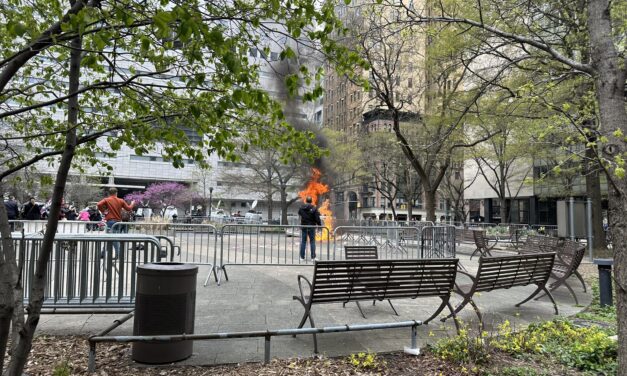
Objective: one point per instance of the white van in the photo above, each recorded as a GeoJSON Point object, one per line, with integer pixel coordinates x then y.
{"type": "Point", "coordinates": [252, 217]}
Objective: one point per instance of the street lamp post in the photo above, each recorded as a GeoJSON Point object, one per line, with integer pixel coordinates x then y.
{"type": "Point", "coordinates": [210, 201]}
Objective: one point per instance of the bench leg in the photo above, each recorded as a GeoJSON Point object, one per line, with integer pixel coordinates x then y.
{"type": "Point", "coordinates": [362, 312]}
{"type": "Point", "coordinates": [580, 278]}
{"type": "Point", "coordinates": [311, 321]}
{"type": "Point", "coordinates": [570, 289]}
{"type": "Point", "coordinates": [546, 292]}
{"type": "Point", "coordinates": [474, 306]}
{"type": "Point", "coordinates": [455, 321]}
{"type": "Point", "coordinates": [445, 302]}
{"type": "Point", "coordinates": [393, 309]}
{"type": "Point", "coordinates": [460, 306]}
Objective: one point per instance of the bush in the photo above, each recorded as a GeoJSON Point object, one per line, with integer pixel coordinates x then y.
{"type": "Point", "coordinates": [62, 369]}
{"type": "Point", "coordinates": [584, 348]}
{"type": "Point", "coordinates": [518, 371]}
{"type": "Point", "coordinates": [467, 347]}
{"type": "Point", "coordinates": [366, 361]}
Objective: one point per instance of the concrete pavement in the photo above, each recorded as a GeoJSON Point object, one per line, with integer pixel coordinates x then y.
{"type": "Point", "coordinates": [260, 298]}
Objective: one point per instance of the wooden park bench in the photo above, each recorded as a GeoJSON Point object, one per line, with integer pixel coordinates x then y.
{"type": "Point", "coordinates": [569, 257]}
{"type": "Point", "coordinates": [505, 272]}
{"type": "Point", "coordinates": [464, 235]}
{"type": "Point", "coordinates": [363, 252]}
{"type": "Point", "coordinates": [365, 280]}
{"type": "Point", "coordinates": [482, 244]}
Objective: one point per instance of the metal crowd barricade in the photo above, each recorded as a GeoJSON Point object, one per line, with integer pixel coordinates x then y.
{"type": "Point", "coordinates": [252, 244]}
{"type": "Point", "coordinates": [548, 230]}
{"type": "Point", "coordinates": [481, 225]}
{"type": "Point", "coordinates": [63, 227]}
{"type": "Point", "coordinates": [437, 242]}
{"type": "Point", "coordinates": [84, 273]}
{"type": "Point", "coordinates": [189, 243]}
{"type": "Point", "coordinates": [392, 242]}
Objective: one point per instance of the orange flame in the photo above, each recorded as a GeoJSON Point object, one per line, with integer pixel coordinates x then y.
{"type": "Point", "coordinates": [315, 189]}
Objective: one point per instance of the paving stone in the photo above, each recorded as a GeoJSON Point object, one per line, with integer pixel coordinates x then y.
{"type": "Point", "coordinates": [260, 298]}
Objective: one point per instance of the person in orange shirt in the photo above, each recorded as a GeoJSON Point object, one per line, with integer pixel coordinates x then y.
{"type": "Point", "coordinates": [113, 206]}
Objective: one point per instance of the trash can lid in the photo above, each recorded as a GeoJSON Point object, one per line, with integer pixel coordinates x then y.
{"type": "Point", "coordinates": [603, 261]}
{"type": "Point", "coordinates": [160, 268]}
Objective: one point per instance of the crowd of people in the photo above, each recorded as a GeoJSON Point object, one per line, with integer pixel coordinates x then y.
{"type": "Point", "coordinates": [34, 210]}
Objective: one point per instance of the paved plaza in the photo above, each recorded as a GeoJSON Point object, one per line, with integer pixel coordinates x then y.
{"type": "Point", "coordinates": [260, 298]}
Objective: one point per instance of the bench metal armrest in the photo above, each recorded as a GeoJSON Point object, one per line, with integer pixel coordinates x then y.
{"type": "Point", "coordinates": [300, 286]}
{"type": "Point", "coordinates": [472, 278]}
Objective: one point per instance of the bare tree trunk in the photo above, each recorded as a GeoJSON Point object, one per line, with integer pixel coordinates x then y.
{"type": "Point", "coordinates": [393, 207]}
{"type": "Point", "coordinates": [503, 209]}
{"type": "Point", "coordinates": [410, 211]}
{"type": "Point", "coordinates": [22, 348]}
{"type": "Point", "coordinates": [8, 280]}
{"type": "Point", "coordinates": [593, 189]}
{"type": "Point", "coordinates": [283, 205]}
{"type": "Point", "coordinates": [430, 205]}
{"type": "Point", "coordinates": [610, 92]}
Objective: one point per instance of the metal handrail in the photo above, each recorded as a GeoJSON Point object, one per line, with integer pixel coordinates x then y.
{"type": "Point", "coordinates": [267, 334]}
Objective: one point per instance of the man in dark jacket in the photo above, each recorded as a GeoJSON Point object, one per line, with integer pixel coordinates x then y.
{"type": "Point", "coordinates": [13, 210]}
{"type": "Point", "coordinates": [309, 216]}
{"type": "Point", "coordinates": [31, 211]}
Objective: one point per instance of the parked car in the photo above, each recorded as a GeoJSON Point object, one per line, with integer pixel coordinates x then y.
{"type": "Point", "coordinates": [253, 217]}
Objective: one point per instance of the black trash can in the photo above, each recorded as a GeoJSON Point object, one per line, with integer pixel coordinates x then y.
{"type": "Point", "coordinates": [164, 305]}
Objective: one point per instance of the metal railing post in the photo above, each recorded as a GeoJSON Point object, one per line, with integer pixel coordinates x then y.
{"type": "Point", "coordinates": [266, 352]}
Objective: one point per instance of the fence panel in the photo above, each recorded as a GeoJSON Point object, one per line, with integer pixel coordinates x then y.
{"type": "Point", "coordinates": [392, 242]}
{"type": "Point", "coordinates": [548, 230]}
{"type": "Point", "coordinates": [85, 271]}
{"type": "Point", "coordinates": [63, 227]}
{"type": "Point", "coordinates": [437, 242]}
{"type": "Point", "coordinates": [250, 244]}
{"type": "Point", "coordinates": [192, 243]}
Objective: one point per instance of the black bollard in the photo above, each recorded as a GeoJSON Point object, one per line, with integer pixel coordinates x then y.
{"type": "Point", "coordinates": [605, 281]}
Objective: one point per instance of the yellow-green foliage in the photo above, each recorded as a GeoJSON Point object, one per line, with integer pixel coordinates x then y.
{"type": "Point", "coordinates": [585, 348]}
{"type": "Point", "coordinates": [366, 361]}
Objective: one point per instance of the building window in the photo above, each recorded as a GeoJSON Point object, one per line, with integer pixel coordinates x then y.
{"type": "Point", "coordinates": [339, 197]}
{"type": "Point", "coordinates": [252, 52]}
{"type": "Point", "coordinates": [409, 82]}
{"type": "Point", "coordinates": [146, 158]}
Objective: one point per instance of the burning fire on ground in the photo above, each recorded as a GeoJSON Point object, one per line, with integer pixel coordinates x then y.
{"type": "Point", "coordinates": [315, 189]}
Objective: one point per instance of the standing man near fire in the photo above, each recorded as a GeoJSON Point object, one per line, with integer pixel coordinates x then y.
{"type": "Point", "coordinates": [309, 216]}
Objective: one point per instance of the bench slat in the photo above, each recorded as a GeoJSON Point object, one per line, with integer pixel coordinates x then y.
{"type": "Point", "coordinates": [350, 280]}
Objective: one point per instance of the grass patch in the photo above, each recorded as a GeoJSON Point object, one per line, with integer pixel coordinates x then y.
{"type": "Point", "coordinates": [598, 314]}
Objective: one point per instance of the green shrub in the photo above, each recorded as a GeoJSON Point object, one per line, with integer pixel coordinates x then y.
{"type": "Point", "coordinates": [367, 360]}
{"type": "Point", "coordinates": [467, 347]}
{"type": "Point", "coordinates": [62, 369]}
{"type": "Point", "coordinates": [584, 348]}
{"type": "Point", "coordinates": [517, 371]}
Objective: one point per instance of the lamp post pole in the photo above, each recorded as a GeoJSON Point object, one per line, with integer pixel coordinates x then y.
{"type": "Point", "coordinates": [210, 201]}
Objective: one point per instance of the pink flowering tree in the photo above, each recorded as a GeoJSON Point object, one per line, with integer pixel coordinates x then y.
{"type": "Point", "coordinates": [159, 196]}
